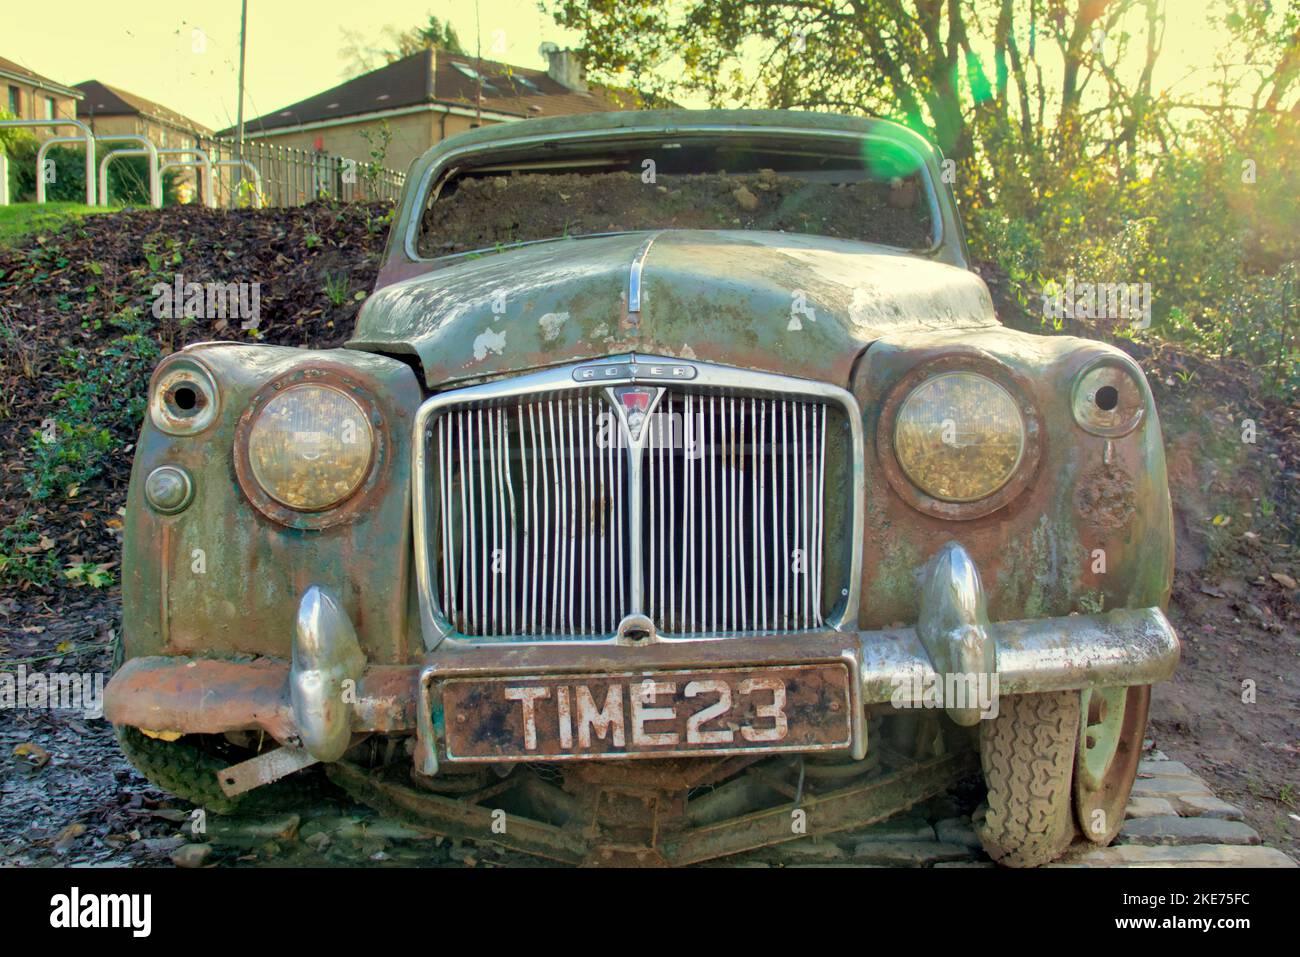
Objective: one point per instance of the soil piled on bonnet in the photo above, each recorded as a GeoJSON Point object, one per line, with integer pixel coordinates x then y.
{"type": "Point", "coordinates": [499, 210]}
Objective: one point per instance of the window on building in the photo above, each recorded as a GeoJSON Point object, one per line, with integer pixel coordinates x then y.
{"type": "Point", "coordinates": [16, 101]}
{"type": "Point", "coordinates": [49, 108]}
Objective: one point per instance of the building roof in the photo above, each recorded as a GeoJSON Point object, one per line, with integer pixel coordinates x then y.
{"type": "Point", "coordinates": [447, 79]}
{"type": "Point", "coordinates": [8, 68]}
{"type": "Point", "coordinates": [104, 100]}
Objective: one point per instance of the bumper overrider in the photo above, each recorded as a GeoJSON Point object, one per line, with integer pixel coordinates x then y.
{"type": "Point", "coordinates": [314, 704]}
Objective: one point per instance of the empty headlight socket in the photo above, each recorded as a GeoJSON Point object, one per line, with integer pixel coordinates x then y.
{"type": "Point", "coordinates": [184, 399]}
{"type": "Point", "coordinates": [1108, 398]}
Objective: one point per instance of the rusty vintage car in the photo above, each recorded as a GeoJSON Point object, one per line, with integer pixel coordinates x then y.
{"type": "Point", "coordinates": [715, 518]}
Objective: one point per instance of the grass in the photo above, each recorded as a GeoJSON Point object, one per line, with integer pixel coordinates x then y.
{"type": "Point", "coordinates": [23, 219]}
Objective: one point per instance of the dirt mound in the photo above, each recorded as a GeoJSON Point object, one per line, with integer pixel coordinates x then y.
{"type": "Point", "coordinates": [499, 210]}
{"type": "Point", "coordinates": [79, 338]}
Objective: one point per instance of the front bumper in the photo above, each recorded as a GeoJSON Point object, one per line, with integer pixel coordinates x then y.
{"type": "Point", "coordinates": [327, 693]}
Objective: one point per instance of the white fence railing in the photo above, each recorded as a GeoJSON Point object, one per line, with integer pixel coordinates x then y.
{"type": "Point", "coordinates": [292, 177]}
{"type": "Point", "coordinates": [261, 174]}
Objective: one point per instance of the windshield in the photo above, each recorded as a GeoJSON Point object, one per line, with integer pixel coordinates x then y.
{"type": "Point", "coordinates": [871, 192]}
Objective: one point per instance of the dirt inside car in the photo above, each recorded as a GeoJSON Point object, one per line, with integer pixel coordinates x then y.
{"type": "Point", "coordinates": [843, 499]}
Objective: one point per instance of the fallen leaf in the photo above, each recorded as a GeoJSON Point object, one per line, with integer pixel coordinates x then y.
{"type": "Point", "coordinates": [32, 754]}
{"type": "Point", "coordinates": [63, 843]}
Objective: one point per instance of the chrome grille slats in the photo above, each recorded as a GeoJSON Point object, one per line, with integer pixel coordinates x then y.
{"type": "Point", "coordinates": [541, 527]}
{"type": "Point", "coordinates": [713, 535]}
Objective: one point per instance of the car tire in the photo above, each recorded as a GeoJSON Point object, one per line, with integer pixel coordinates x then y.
{"type": "Point", "coordinates": [1027, 753]}
{"type": "Point", "coordinates": [178, 767]}
{"type": "Point", "coordinates": [188, 768]}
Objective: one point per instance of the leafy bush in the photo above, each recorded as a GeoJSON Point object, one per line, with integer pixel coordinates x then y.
{"type": "Point", "coordinates": [100, 394]}
{"type": "Point", "coordinates": [25, 558]}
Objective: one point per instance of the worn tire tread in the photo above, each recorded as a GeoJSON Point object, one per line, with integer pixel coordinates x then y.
{"type": "Point", "coordinates": [188, 770]}
{"type": "Point", "coordinates": [178, 768]}
{"type": "Point", "coordinates": [1027, 753]}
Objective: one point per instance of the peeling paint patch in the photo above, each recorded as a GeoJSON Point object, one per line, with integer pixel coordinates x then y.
{"type": "Point", "coordinates": [600, 331]}
{"type": "Point", "coordinates": [489, 340]}
{"type": "Point", "coordinates": [687, 351]}
{"type": "Point", "coordinates": [551, 324]}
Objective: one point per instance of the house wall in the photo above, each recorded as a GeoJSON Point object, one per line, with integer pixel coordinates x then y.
{"type": "Point", "coordinates": [32, 106]}
{"type": "Point", "coordinates": [412, 135]}
{"type": "Point", "coordinates": [163, 136]}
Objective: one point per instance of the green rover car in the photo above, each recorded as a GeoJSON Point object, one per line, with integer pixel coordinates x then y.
{"type": "Point", "coordinates": [679, 493]}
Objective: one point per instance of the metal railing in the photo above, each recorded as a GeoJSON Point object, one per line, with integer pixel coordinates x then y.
{"type": "Point", "coordinates": [275, 175]}
{"type": "Point", "coordinates": [145, 147]}
{"type": "Point", "coordinates": [200, 160]}
{"type": "Point", "coordinates": [293, 177]}
{"type": "Point", "coordinates": [86, 137]}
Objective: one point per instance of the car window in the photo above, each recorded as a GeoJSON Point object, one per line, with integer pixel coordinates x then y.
{"type": "Point", "coordinates": [872, 194]}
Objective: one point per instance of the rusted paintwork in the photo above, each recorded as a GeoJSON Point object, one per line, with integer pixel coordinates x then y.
{"type": "Point", "coordinates": [1055, 582]}
{"type": "Point", "coordinates": [1091, 530]}
{"type": "Point", "coordinates": [223, 579]}
{"type": "Point", "coordinates": [214, 696]}
{"type": "Point", "coordinates": [717, 296]}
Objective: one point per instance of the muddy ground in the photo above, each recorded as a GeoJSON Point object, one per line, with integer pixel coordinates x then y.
{"type": "Point", "coordinates": [68, 797]}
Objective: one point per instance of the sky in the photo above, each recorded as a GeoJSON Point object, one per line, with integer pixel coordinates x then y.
{"type": "Point", "coordinates": [148, 47]}
{"type": "Point", "coordinates": [151, 47]}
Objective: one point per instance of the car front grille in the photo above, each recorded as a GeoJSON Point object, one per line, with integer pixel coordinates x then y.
{"type": "Point", "coordinates": [733, 514]}
{"type": "Point", "coordinates": [532, 522]}
{"type": "Point", "coordinates": [547, 517]}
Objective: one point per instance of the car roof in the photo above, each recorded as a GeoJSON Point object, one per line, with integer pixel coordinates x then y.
{"type": "Point", "coordinates": [670, 120]}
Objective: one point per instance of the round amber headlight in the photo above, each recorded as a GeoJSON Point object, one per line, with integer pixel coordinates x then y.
{"type": "Point", "coordinates": [959, 436]}
{"type": "Point", "coordinates": [310, 447]}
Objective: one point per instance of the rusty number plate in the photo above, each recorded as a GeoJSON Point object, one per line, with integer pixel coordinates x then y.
{"type": "Point", "coordinates": [663, 714]}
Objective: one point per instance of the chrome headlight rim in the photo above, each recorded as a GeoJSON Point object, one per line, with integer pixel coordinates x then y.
{"type": "Point", "coordinates": [350, 506]}
{"type": "Point", "coordinates": [183, 398]}
{"type": "Point", "coordinates": [1102, 418]}
{"type": "Point", "coordinates": [974, 363]}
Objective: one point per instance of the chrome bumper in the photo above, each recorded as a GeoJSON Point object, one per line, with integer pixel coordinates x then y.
{"type": "Point", "coordinates": [326, 693]}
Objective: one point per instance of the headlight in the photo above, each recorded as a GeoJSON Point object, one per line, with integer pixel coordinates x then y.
{"type": "Point", "coordinates": [959, 436]}
{"type": "Point", "coordinates": [310, 447]}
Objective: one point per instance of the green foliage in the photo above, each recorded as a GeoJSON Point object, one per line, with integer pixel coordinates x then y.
{"type": "Point", "coordinates": [1070, 161]}
{"type": "Point", "coordinates": [99, 394]}
{"type": "Point", "coordinates": [25, 559]}
{"type": "Point", "coordinates": [335, 286]}
{"type": "Point", "coordinates": [378, 141]}
{"type": "Point", "coordinates": [14, 143]}
{"type": "Point", "coordinates": [88, 573]}
{"type": "Point", "coordinates": [21, 221]}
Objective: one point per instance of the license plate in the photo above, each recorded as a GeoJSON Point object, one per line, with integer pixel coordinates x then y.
{"type": "Point", "coordinates": [635, 714]}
